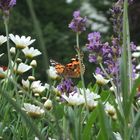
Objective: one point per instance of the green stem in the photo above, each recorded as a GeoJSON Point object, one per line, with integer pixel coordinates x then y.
{"type": "Point", "coordinates": [33, 71]}
{"type": "Point", "coordinates": [64, 125]}
{"type": "Point", "coordinates": [23, 114]}
{"type": "Point", "coordinates": [115, 88]}
{"type": "Point", "coordinates": [124, 61]}
{"type": "Point", "coordinates": [129, 57]}
{"type": "Point", "coordinates": [39, 33]}
{"type": "Point", "coordinates": [126, 76]}
{"type": "Point", "coordinates": [82, 77]}
{"type": "Point", "coordinates": [8, 45]}
{"type": "Point", "coordinates": [18, 122]}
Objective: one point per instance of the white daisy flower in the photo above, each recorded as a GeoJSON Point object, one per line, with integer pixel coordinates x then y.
{"type": "Point", "coordinates": [3, 39]}
{"type": "Point", "coordinates": [31, 52]}
{"type": "Point", "coordinates": [36, 138]}
{"type": "Point", "coordinates": [21, 42]}
{"type": "Point", "coordinates": [32, 110]}
{"type": "Point", "coordinates": [74, 99]}
{"type": "Point", "coordinates": [137, 75]}
{"type": "Point", "coordinates": [21, 68]}
{"type": "Point", "coordinates": [89, 94]}
{"type": "Point", "coordinates": [79, 99]}
{"type": "Point", "coordinates": [138, 48]}
{"type": "Point", "coordinates": [117, 136]}
{"type": "Point", "coordinates": [53, 89]}
{"type": "Point", "coordinates": [26, 84]}
{"type": "Point", "coordinates": [52, 73]}
{"type": "Point", "coordinates": [136, 54]}
{"type": "Point", "coordinates": [100, 79]}
{"type": "Point", "coordinates": [92, 104]}
{"type": "Point", "coordinates": [138, 67]}
{"type": "Point", "coordinates": [112, 89]}
{"type": "Point", "coordinates": [91, 98]}
{"type": "Point", "coordinates": [109, 109]}
{"type": "Point", "coordinates": [37, 87]}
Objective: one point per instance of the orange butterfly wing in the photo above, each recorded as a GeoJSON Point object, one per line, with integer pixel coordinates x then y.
{"type": "Point", "coordinates": [59, 67]}
{"type": "Point", "coordinates": [71, 70]}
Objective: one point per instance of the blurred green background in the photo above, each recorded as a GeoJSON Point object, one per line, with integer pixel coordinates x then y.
{"type": "Point", "coordinates": [54, 17]}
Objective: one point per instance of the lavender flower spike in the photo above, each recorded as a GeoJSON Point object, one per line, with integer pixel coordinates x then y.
{"type": "Point", "coordinates": [78, 23]}
{"type": "Point", "coordinates": [5, 5]}
{"type": "Point", "coordinates": [66, 86]}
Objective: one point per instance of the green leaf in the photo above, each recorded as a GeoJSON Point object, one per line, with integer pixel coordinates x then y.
{"type": "Point", "coordinates": [106, 131]}
{"type": "Point", "coordinates": [105, 95]}
{"type": "Point", "coordinates": [133, 125]}
{"type": "Point", "coordinates": [133, 93]}
{"type": "Point", "coordinates": [27, 120]}
{"type": "Point", "coordinates": [87, 130]}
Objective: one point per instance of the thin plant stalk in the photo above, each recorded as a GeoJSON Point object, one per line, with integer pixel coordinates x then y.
{"type": "Point", "coordinates": [64, 125]}
{"type": "Point", "coordinates": [126, 69]}
{"type": "Point", "coordinates": [124, 60]}
{"type": "Point", "coordinates": [129, 62]}
{"type": "Point", "coordinates": [82, 77]}
{"type": "Point", "coordinates": [39, 33]}
{"type": "Point", "coordinates": [115, 89]}
{"type": "Point", "coordinates": [23, 114]}
{"type": "Point", "coordinates": [6, 19]}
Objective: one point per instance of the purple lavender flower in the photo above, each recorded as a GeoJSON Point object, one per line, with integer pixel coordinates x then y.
{"type": "Point", "coordinates": [133, 46]}
{"type": "Point", "coordinates": [78, 24]}
{"type": "Point", "coordinates": [94, 41]}
{"type": "Point", "coordinates": [76, 14]}
{"type": "Point", "coordinates": [92, 58]}
{"type": "Point", "coordinates": [130, 1]}
{"type": "Point", "coordinates": [5, 5]}
{"type": "Point", "coordinates": [117, 17]}
{"type": "Point", "coordinates": [104, 53]}
{"type": "Point", "coordinates": [94, 37]}
{"type": "Point", "coordinates": [99, 71]}
{"type": "Point", "coordinates": [66, 86]}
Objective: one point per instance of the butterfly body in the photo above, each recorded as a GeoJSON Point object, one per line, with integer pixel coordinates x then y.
{"type": "Point", "coordinates": [71, 70]}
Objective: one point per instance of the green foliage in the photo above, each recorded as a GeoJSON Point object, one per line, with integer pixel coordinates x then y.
{"type": "Point", "coordinates": [104, 117]}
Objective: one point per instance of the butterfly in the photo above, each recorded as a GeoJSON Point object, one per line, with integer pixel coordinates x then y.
{"type": "Point", "coordinates": [70, 70]}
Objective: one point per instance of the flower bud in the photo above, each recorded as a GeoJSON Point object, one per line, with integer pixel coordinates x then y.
{"type": "Point", "coordinates": [12, 50]}
{"type": "Point", "coordinates": [100, 79]}
{"type": "Point", "coordinates": [48, 104]}
{"type": "Point", "coordinates": [36, 95]}
{"type": "Point", "coordinates": [19, 60]}
{"type": "Point", "coordinates": [31, 78]}
{"type": "Point", "coordinates": [33, 63]}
